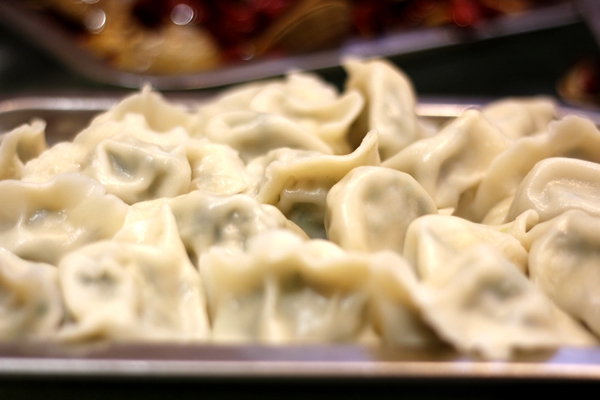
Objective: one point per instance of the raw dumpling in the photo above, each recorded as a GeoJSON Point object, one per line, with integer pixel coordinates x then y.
{"type": "Point", "coordinates": [371, 208]}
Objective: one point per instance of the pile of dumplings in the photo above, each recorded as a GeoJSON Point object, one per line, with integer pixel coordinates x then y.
{"type": "Point", "coordinates": [290, 212]}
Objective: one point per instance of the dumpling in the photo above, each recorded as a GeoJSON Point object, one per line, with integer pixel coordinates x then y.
{"type": "Point", "coordinates": [395, 312]}
{"type": "Point", "coordinates": [556, 185]}
{"type": "Point", "coordinates": [284, 289]}
{"type": "Point", "coordinates": [205, 220]}
{"type": "Point", "coordinates": [140, 285]}
{"type": "Point", "coordinates": [298, 182]}
{"type": "Point", "coordinates": [44, 221]}
{"type": "Point", "coordinates": [300, 111]}
{"type": "Point", "coordinates": [216, 168]}
{"type": "Point", "coordinates": [454, 161]}
{"type": "Point", "coordinates": [572, 137]}
{"type": "Point", "coordinates": [19, 146]}
{"type": "Point", "coordinates": [137, 171]}
{"type": "Point", "coordinates": [520, 117]}
{"type": "Point", "coordinates": [564, 262]}
{"type": "Point", "coordinates": [314, 105]}
{"type": "Point", "coordinates": [482, 304]}
{"type": "Point", "coordinates": [390, 105]}
{"type": "Point", "coordinates": [159, 114]}
{"type": "Point", "coordinates": [254, 134]}
{"type": "Point", "coordinates": [30, 299]}
{"type": "Point", "coordinates": [432, 240]}
{"type": "Point", "coordinates": [77, 155]}
{"type": "Point", "coordinates": [371, 207]}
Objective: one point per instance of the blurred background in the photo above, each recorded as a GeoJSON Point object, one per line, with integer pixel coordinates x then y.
{"type": "Point", "coordinates": [467, 48]}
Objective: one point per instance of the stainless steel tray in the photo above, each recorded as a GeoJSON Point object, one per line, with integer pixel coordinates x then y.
{"type": "Point", "coordinates": [67, 115]}
{"type": "Point", "coordinates": [52, 38]}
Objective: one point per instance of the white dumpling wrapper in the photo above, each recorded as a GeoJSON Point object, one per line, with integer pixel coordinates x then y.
{"type": "Point", "coordinates": [205, 221]}
{"type": "Point", "coordinates": [254, 134]}
{"type": "Point", "coordinates": [44, 221]}
{"type": "Point", "coordinates": [432, 240]}
{"type": "Point", "coordinates": [160, 114]}
{"type": "Point", "coordinates": [137, 171]}
{"type": "Point", "coordinates": [298, 182]}
{"type": "Point", "coordinates": [371, 207]}
{"type": "Point", "coordinates": [520, 117]}
{"type": "Point", "coordinates": [140, 285]}
{"type": "Point", "coordinates": [30, 299]}
{"type": "Point", "coordinates": [20, 145]}
{"type": "Point", "coordinates": [572, 137]}
{"type": "Point", "coordinates": [482, 304]}
{"type": "Point", "coordinates": [564, 262]}
{"type": "Point", "coordinates": [284, 289]}
{"type": "Point", "coordinates": [455, 160]}
{"type": "Point", "coordinates": [76, 156]}
{"type": "Point", "coordinates": [216, 168]}
{"type": "Point", "coordinates": [314, 105]}
{"type": "Point", "coordinates": [556, 185]}
{"type": "Point", "coordinates": [389, 105]}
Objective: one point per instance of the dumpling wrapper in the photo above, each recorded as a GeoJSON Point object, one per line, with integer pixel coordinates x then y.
{"type": "Point", "coordinates": [433, 240]}
{"type": "Point", "coordinates": [20, 145]}
{"type": "Point", "coordinates": [139, 286]}
{"type": "Point", "coordinates": [371, 207]}
{"type": "Point", "coordinates": [520, 117]}
{"type": "Point", "coordinates": [31, 304]}
{"type": "Point", "coordinates": [571, 137]}
{"type": "Point", "coordinates": [204, 221]}
{"type": "Point", "coordinates": [283, 289]}
{"type": "Point", "coordinates": [454, 161]}
{"type": "Point", "coordinates": [556, 185]}
{"type": "Point", "coordinates": [389, 108]}
{"type": "Point", "coordinates": [298, 182]}
{"type": "Point", "coordinates": [482, 304]}
{"type": "Point", "coordinates": [44, 221]}
{"type": "Point", "coordinates": [564, 262]}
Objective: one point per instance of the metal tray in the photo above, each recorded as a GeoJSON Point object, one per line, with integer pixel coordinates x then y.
{"type": "Point", "coordinates": [347, 362]}
{"type": "Point", "coordinates": [50, 37]}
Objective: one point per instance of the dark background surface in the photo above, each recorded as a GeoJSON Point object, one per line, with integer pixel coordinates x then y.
{"type": "Point", "coordinates": [524, 64]}
{"type": "Point", "coordinates": [520, 64]}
